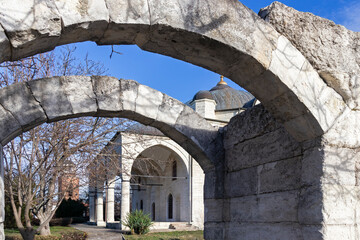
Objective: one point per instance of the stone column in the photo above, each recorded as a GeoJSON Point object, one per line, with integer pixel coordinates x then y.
{"type": "Point", "coordinates": [125, 199]}
{"type": "Point", "coordinates": [92, 205]}
{"type": "Point", "coordinates": [110, 201]}
{"type": "Point", "coordinates": [2, 195]}
{"type": "Point", "coordinates": [99, 208]}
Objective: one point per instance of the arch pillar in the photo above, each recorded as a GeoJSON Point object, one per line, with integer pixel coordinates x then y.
{"type": "Point", "coordinates": [92, 205]}
{"type": "Point", "coordinates": [110, 200]}
{"type": "Point", "coordinates": [125, 199]}
{"type": "Point", "coordinates": [100, 207]}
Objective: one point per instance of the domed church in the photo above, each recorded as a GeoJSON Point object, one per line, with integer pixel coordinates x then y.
{"type": "Point", "coordinates": [157, 175]}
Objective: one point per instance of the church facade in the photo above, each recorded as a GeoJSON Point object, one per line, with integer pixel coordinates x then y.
{"type": "Point", "coordinates": [157, 175]}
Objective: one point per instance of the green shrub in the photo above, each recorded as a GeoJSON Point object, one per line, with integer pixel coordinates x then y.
{"type": "Point", "coordinates": [138, 222]}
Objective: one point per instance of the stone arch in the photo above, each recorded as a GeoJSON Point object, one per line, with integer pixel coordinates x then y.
{"type": "Point", "coordinates": [222, 36]}
{"type": "Point", "coordinates": [26, 105]}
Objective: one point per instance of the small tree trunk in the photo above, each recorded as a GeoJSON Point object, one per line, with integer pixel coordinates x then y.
{"type": "Point", "coordinates": [45, 231]}
{"type": "Point", "coordinates": [28, 233]}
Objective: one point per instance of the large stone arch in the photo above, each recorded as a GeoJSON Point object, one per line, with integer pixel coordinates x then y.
{"type": "Point", "coordinates": [222, 36]}
{"type": "Point", "coordinates": [26, 105]}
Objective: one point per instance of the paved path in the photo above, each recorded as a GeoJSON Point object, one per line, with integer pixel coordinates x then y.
{"type": "Point", "coordinates": [99, 233]}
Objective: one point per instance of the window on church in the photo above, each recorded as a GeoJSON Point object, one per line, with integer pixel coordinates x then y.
{"type": "Point", "coordinates": [174, 170]}
{"type": "Point", "coordinates": [141, 205]}
{"type": "Point", "coordinates": [170, 206]}
{"type": "Point", "coordinates": [153, 211]}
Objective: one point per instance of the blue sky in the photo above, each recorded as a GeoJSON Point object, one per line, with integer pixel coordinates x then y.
{"type": "Point", "coordinates": [182, 80]}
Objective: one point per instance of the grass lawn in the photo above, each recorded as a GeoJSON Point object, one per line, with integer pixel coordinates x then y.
{"type": "Point", "coordinates": [181, 235]}
{"type": "Point", "coordinates": [57, 231]}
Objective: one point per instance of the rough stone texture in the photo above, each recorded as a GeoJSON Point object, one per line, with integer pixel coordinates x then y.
{"type": "Point", "coordinates": [22, 106]}
{"type": "Point", "coordinates": [82, 19]}
{"type": "Point", "coordinates": [148, 101]}
{"type": "Point", "coordinates": [55, 103]}
{"type": "Point", "coordinates": [128, 19]}
{"type": "Point", "coordinates": [5, 47]}
{"type": "Point", "coordinates": [341, 134]}
{"type": "Point", "coordinates": [332, 49]}
{"type": "Point", "coordinates": [108, 94]}
{"type": "Point", "coordinates": [30, 26]}
{"type": "Point", "coordinates": [10, 127]}
{"type": "Point", "coordinates": [80, 93]}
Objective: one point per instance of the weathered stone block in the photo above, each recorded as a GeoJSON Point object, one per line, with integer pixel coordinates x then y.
{"type": "Point", "coordinates": [341, 134]}
{"type": "Point", "coordinates": [10, 127]}
{"type": "Point", "coordinates": [280, 176]}
{"type": "Point", "coordinates": [5, 47]}
{"type": "Point", "coordinates": [274, 231]}
{"type": "Point", "coordinates": [246, 182]}
{"type": "Point", "coordinates": [40, 26]}
{"type": "Point", "coordinates": [343, 232]}
{"type": "Point", "coordinates": [249, 124]}
{"type": "Point", "coordinates": [129, 89]}
{"type": "Point", "coordinates": [205, 133]}
{"type": "Point", "coordinates": [310, 206]}
{"type": "Point", "coordinates": [82, 20]}
{"type": "Point", "coordinates": [108, 94]}
{"type": "Point", "coordinates": [18, 100]}
{"type": "Point", "coordinates": [80, 94]}
{"type": "Point", "coordinates": [272, 207]}
{"type": "Point", "coordinates": [169, 110]}
{"type": "Point", "coordinates": [332, 49]}
{"type": "Point", "coordinates": [267, 148]}
{"type": "Point", "coordinates": [148, 101]}
{"type": "Point", "coordinates": [51, 94]}
{"type": "Point", "coordinates": [329, 204]}
{"type": "Point", "coordinates": [127, 20]}
{"type": "Point", "coordinates": [214, 230]}
{"type": "Point", "coordinates": [329, 165]}
{"type": "Point", "coordinates": [214, 210]}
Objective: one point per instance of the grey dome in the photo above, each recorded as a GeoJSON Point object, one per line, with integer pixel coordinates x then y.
{"type": "Point", "coordinates": [226, 97]}
{"type": "Point", "coordinates": [203, 94]}
{"type": "Point", "coordinates": [229, 98]}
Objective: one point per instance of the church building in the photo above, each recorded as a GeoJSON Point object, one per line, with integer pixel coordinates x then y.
{"type": "Point", "coordinates": [157, 175]}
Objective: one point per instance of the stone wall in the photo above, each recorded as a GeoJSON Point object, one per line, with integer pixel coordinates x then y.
{"type": "Point", "coordinates": [263, 178]}
{"type": "Point", "coordinates": [277, 188]}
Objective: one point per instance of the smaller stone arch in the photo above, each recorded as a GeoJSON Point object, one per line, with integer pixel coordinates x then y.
{"type": "Point", "coordinates": [26, 105]}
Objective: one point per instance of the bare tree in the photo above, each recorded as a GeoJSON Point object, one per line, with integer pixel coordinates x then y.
{"type": "Point", "coordinates": [35, 160]}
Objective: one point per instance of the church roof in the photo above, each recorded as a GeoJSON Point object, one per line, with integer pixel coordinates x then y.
{"type": "Point", "coordinates": [139, 128]}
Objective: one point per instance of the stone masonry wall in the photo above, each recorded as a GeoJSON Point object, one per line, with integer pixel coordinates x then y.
{"type": "Point", "coordinates": [262, 180]}
{"type": "Point", "coordinates": [277, 188]}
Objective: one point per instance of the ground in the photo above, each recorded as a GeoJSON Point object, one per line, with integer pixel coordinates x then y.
{"type": "Point", "coordinates": [99, 233]}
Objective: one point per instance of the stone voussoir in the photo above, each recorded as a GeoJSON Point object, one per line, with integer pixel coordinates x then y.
{"type": "Point", "coordinates": [19, 101]}
{"type": "Point", "coordinates": [50, 93]}
{"type": "Point", "coordinates": [136, 16]}
{"type": "Point", "coordinates": [80, 93]}
{"type": "Point", "coordinates": [40, 26]}
{"type": "Point", "coordinates": [108, 94]}
{"type": "Point", "coordinates": [82, 20]}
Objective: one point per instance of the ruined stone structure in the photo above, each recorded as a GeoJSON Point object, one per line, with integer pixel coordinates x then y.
{"type": "Point", "coordinates": [301, 184]}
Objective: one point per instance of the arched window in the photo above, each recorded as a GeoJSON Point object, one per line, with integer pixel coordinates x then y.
{"type": "Point", "coordinates": [141, 205]}
{"type": "Point", "coordinates": [153, 211]}
{"type": "Point", "coordinates": [170, 206]}
{"type": "Point", "coordinates": [174, 170]}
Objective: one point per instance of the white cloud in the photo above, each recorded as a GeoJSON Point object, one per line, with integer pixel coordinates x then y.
{"type": "Point", "coordinates": [349, 16]}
